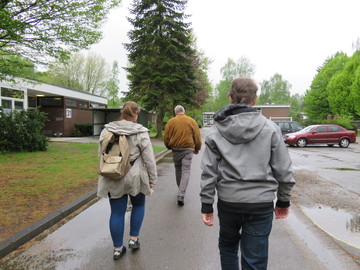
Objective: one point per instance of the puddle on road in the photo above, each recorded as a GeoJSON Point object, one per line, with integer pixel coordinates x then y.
{"type": "Point", "coordinates": [338, 223]}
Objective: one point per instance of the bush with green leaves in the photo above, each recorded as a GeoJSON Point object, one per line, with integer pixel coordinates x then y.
{"type": "Point", "coordinates": [83, 130]}
{"type": "Point", "coordinates": [21, 131]}
{"type": "Point", "coordinates": [151, 127]}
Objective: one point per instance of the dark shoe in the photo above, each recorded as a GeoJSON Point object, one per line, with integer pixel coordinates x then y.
{"type": "Point", "coordinates": [180, 201]}
{"type": "Point", "coordinates": [134, 244]}
{"type": "Point", "coordinates": [118, 253]}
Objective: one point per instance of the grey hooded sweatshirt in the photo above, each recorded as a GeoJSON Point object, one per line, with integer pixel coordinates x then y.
{"type": "Point", "coordinates": [246, 161]}
{"type": "Point", "coordinates": [143, 172]}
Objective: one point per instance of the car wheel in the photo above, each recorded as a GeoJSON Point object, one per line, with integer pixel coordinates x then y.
{"type": "Point", "coordinates": [330, 145]}
{"type": "Point", "coordinates": [344, 143]}
{"type": "Point", "coordinates": [301, 142]}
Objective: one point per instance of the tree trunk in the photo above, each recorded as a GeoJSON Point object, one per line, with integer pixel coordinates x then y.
{"type": "Point", "coordinates": [159, 123]}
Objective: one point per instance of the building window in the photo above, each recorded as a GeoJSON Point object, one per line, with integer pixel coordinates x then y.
{"type": "Point", "coordinates": [83, 104]}
{"type": "Point", "coordinates": [19, 105]}
{"type": "Point", "coordinates": [12, 93]}
{"type": "Point", "coordinates": [32, 102]}
{"type": "Point", "coordinates": [50, 102]}
{"type": "Point", "coordinates": [71, 102]}
{"type": "Point", "coordinates": [6, 104]}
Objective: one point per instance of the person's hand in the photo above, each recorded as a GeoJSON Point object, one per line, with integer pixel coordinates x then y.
{"type": "Point", "coordinates": [208, 219]}
{"type": "Point", "coordinates": [196, 152]}
{"type": "Point", "coordinates": [281, 212]}
{"type": "Point", "coordinates": [152, 186]}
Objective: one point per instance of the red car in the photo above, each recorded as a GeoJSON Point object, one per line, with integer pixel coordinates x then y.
{"type": "Point", "coordinates": [325, 134]}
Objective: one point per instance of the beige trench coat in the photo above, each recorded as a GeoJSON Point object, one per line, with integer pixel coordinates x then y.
{"type": "Point", "coordinates": [143, 172]}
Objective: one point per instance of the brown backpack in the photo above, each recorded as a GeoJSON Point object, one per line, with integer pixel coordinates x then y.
{"type": "Point", "coordinates": [115, 157]}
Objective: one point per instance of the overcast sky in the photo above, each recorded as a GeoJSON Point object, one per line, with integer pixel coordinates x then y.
{"type": "Point", "coordinates": [288, 37]}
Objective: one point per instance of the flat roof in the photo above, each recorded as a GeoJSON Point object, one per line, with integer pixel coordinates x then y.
{"type": "Point", "coordinates": [38, 88]}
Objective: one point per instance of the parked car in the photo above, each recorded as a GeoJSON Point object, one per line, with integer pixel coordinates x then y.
{"type": "Point", "coordinates": [325, 134]}
{"type": "Point", "coordinates": [288, 126]}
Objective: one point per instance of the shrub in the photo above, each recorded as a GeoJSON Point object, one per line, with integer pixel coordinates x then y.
{"type": "Point", "coordinates": [21, 131]}
{"type": "Point", "coordinates": [151, 127]}
{"type": "Point", "coordinates": [83, 130]}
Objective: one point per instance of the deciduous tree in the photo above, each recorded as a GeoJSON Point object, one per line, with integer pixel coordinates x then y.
{"type": "Point", "coordinates": [39, 29]}
{"type": "Point", "coordinates": [231, 70]}
{"type": "Point", "coordinates": [88, 73]}
{"type": "Point", "coordinates": [275, 91]}
{"type": "Point", "coordinates": [316, 103]}
{"type": "Point", "coordinates": [296, 106]}
{"type": "Point", "coordinates": [342, 88]}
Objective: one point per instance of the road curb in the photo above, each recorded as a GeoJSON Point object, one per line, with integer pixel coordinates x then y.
{"type": "Point", "coordinates": [352, 250]}
{"type": "Point", "coordinates": [21, 237]}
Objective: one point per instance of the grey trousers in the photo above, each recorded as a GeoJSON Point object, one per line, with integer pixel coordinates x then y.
{"type": "Point", "coordinates": [182, 161]}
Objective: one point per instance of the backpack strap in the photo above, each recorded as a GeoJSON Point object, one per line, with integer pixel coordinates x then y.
{"type": "Point", "coordinates": [105, 142]}
{"type": "Point", "coordinates": [114, 139]}
{"type": "Point", "coordinates": [133, 161]}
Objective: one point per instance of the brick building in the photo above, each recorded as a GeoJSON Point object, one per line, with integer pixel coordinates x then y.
{"type": "Point", "coordinates": [65, 107]}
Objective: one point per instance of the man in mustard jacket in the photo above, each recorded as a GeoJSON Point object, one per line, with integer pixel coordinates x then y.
{"type": "Point", "coordinates": [182, 136]}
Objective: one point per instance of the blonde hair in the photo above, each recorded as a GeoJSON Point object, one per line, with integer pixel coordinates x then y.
{"type": "Point", "coordinates": [243, 91]}
{"type": "Point", "coordinates": [129, 111]}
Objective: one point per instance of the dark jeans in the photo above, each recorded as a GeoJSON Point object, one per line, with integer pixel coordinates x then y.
{"type": "Point", "coordinates": [117, 217]}
{"type": "Point", "coordinates": [251, 232]}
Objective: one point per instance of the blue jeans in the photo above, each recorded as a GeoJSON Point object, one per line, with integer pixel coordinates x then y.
{"type": "Point", "coordinates": [117, 217]}
{"type": "Point", "coordinates": [251, 232]}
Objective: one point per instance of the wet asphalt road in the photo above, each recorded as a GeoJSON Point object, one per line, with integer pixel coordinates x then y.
{"type": "Point", "coordinates": [335, 164]}
{"type": "Point", "coordinates": [174, 237]}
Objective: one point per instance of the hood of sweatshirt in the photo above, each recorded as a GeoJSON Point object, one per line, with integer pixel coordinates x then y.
{"type": "Point", "coordinates": [123, 127]}
{"type": "Point", "coordinates": [239, 123]}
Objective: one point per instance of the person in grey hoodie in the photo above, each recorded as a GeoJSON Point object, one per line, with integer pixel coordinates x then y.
{"type": "Point", "coordinates": [138, 182]}
{"type": "Point", "coordinates": [246, 161]}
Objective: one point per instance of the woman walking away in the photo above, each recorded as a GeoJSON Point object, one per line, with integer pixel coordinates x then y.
{"type": "Point", "coordinates": [138, 182]}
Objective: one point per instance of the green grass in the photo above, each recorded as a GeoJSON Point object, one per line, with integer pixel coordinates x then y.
{"type": "Point", "coordinates": [35, 184]}
{"type": "Point", "coordinates": [158, 149]}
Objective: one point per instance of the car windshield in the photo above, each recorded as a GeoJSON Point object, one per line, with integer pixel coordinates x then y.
{"type": "Point", "coordinates": [306, 129]}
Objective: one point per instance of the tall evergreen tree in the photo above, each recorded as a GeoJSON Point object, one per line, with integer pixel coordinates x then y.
{"type": "Point", "coordinates": [161, 71]}
{"type": "Point", "coordinates": [112, 86]}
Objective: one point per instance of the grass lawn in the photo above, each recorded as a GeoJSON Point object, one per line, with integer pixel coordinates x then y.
{"type": "Point", "coordinates": [35, 184]}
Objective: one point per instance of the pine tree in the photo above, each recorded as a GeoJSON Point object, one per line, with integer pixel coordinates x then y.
{"type": "Point", "coordinates": [161, 58]}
